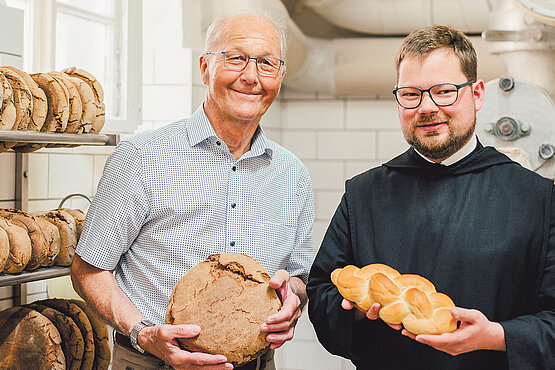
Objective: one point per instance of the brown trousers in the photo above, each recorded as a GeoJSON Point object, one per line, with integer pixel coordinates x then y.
{"type": "Point", "coordinates": [125, 358]}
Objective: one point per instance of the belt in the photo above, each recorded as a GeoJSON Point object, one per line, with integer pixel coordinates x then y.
{"type": "Point", "coordinates": [124, 341]}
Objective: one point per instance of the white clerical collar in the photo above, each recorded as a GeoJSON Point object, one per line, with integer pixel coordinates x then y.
{"type": "Point", "coordinates": [460, 154]}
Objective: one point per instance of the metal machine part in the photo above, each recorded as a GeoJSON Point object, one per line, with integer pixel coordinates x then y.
{"type": "Point", "coordinates": [519, 114]}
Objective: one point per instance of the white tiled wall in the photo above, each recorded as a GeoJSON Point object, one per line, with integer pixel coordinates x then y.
{"type": "Point", "coordinates": [335, 138]}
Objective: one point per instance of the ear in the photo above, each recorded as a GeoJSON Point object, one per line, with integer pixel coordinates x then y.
{"type": "Point", "coordinates": [478, 91]}
{"type": "Point", "coordinates": [203, 65]}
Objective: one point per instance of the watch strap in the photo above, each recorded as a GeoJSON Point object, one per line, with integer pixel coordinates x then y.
{"type": "Point", "coordinates": [135, 333]}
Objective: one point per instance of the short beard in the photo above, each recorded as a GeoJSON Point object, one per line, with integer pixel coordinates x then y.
{"type": "Point", "coordinates": [442, 150]}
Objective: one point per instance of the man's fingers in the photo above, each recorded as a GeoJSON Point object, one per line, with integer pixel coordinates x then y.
{"type": "Point", "coordinates": [199, 359]}
{"type": "Point", "coordinates": [466, 315]}
{"type": "Point", "coordinates": [347, 305]}
{"type": "Point", "coordinates": [372, 313]}
{"type": "Point", "coordinates": [280, 277]}
{"type": "Point", "coordinates": [180, 331]}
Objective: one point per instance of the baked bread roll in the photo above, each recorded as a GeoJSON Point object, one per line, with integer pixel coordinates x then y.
{"type": "Point", "coordinates": [102, 354]}
{"type": "Point", "coordinates": [229, 297]}
{"type": "Point", "coordinates": [39, 249]}
{"type": "Point", "coordinates": [28, 340]}
{"type": "Point", "coordinates": [406, 299]}
{"type": "Point", "coordinates": [88, 103]}
{"type": "Point", "coordinates": [20, 247]}
{"type": "Point", "coordinates": [68, 239]}
{"type": "Point", "coordinates": [72, 340]}
{"type": "Point", "coordinates": [82, 322]}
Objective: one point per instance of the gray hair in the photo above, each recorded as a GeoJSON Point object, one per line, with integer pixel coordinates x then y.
{"type": "Point", "coordinates": [216, 30]}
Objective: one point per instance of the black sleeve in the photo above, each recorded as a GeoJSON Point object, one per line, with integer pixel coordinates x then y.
{"type": "Point", "coordinates": [336, 327]}
{"type": "Point", "coordinates": [530, 339]}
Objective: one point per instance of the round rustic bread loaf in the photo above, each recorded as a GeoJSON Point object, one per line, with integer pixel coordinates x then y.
{"type": "Point", "coordinates": [40, 105]}
{"type": "Point", "coordinates": [79, 217]}
{"type": "Point", "coordinates": [20, 246]}
{"type": "Point", "coordinates": [52, 240]}
{"type": "Point", "coordinates": [74, 100]}
{"type": "Point", "coordinates": [98, 91]}
{"type": "Point", "coordinates": [23, 100]}
{"type": "Point", "coordinates": [72, 340]}
{"type": "Point", "coordinates": [82, 322]}
{"type": "Point", "coordinates": [68, 239]}
{"type": "Point", "coordinates": [28, 340]}
{"type": "Point", "coordinates": [4, 248]}
{"type": "Point", "coordinates": [39, 248]}
{"type": "Point", "coordinates": [102, 355]}
{"type": "Point", "coordinates": [8, 113]}
{"type": "Point", "coordinates": [88, 102]}
{"type": "Point", "coordinates": [229, 297]}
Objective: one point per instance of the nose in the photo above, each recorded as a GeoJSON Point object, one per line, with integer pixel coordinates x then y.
{"type": "Point", "coordinates": [427, 105]}
{"type": "Point", "coordinates": [250, 73]}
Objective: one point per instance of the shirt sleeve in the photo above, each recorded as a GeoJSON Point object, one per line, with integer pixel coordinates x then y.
{"type": "Point", "coordinates": [118, 210]}
{"type": "Point", "coordinates": [303, 249]}
{"type": "Point", "coordinates": [530, 339]}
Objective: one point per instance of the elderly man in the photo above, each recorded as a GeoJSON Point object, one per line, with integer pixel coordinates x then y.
{"type": "Point", "coordinates": [476, 224]}
{"type": "Point", "coordinates": [211, 183]}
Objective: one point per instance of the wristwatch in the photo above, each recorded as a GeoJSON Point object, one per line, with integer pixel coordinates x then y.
{"type": "Point", "coordinates": [135, 333]}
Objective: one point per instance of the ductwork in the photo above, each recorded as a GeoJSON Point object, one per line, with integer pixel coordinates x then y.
{"type": "Point", "coordinates": [361, 66]}
{"type": "Point", "coordinates": [400, 17]}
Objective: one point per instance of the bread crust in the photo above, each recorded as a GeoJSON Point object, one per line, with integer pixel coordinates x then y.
{"type": "Point", "coordinates": [68, 240]}
{"type": "Point", "coordinates": [98, 91]}
{"type": "Point", "coordinates": [408, 299]}
{"type": "Point", "coordinates": [20, 246]}
{"type": "Point", "coordinates": [229, 297]}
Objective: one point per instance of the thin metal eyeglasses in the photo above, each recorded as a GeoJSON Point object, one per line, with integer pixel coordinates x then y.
{"type": "Point", "coordinates": [441, 94]}
{"type": "Point", "coordinates": [237, 61]}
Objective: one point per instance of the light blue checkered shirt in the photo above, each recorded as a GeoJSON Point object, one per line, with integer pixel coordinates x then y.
{"type": "Point", "coordinates": [169, 198]}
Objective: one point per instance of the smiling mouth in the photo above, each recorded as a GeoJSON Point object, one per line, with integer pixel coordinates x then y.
{"type": "Point", "coordinates": [246, 92]}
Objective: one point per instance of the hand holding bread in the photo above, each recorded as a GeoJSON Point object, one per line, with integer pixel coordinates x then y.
{"type": "Point", "coordinates": [407, 299]}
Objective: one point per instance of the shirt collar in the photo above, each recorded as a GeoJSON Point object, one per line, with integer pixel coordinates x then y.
{"type": "Point", "coordinates": [460, 154]}
{"type": "Point", "coordinates": [200, 129]}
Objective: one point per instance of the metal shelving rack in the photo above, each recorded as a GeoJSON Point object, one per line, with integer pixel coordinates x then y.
{"type": "Point", "coordinates": [22, 200]}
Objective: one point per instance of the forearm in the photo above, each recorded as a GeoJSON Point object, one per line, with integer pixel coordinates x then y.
{"type": "Point", "coordinates": [299, 288]}
{"type": "Point", "coordinates": [99, 288]}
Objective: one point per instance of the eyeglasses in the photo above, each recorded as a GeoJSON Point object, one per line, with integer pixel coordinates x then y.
{"type": "Point", "coordinates": [442, 95]}
{"type": "Point", "coordinates": [237, 61]}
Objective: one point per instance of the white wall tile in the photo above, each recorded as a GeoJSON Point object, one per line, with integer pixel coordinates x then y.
{"type": "Point", "coordinates": [354, 168]}
{"type": "Point", "coordinates": [371, 114]}
{"type": "Point", "coordinates": [199, 94]}
{"type": "Point", "coordinates": [5, 303]}
{"type": "Point", "coordinates": [301, 143]}
{"type": "Point", "coordinates": [304, 329]}
{"type": "Point", "coordinates": [326, 174]}
{"type": "Point", "coordinates": [148, 66]}
{"type": "Point", "coordinates": [326, 114]}
{"type": "Point", "coordinates": [272, 117]}
{"type": "Point", "coordinates": [70, 174]}
{"type": "Point", "coordinates": [166, 102]}
{"type": "Point", "coordinates": [391, 144]}
{"type": "Point", "coordinates": [38, 175]}
{"type": "Point", "coordinates": [7, 176]}
{"type": "Point", "coordinates": [346, 145]}
{"type": "Point", "coordinates": [290, 94]}
{"type": "Point", "coordinates": [273, 134]}
{"type": "Point", "coordinates": [36, 287]}
{"type": "Point", "coordinates": [43, 205]}
{"type": "Point", "coordinates": [172, 66]}
{"type": "Point", "coordinates": [7, 204]}
{"type": "Point", "coordinates": [326, 202]}
{"type": "Point", "coordinates": [319, 230]}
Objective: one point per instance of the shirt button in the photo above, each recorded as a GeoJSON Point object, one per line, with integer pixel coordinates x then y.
{"type": "Point", "coordinates": [234, 168]}
{"type": "Point", "coordinates": [232, 244]}
{"type": "Point", "coordinates": [218, 143]}
{"type": "Point", "coordinates": [233, 205]}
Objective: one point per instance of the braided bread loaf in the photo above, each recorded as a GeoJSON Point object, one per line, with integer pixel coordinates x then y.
{"type": "Point", "coordinates": [406, 299]}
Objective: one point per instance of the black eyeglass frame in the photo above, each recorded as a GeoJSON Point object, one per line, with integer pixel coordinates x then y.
{"type": "Point", "coordinates": [428, 90]}
{"type": "Point", "coordinates": [281, 62]}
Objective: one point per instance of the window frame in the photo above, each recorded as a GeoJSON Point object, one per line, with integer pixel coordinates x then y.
{"type": "Point", "coordinates": [40, 25]}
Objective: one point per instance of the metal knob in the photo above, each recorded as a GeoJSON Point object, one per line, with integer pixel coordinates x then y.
{"type": "Point", "coordinates": [506, 83]}
{"type": "Point", "coordinates": [546, 151]}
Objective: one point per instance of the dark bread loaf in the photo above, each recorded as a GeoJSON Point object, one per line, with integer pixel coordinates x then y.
{"type": "Point", "coordinates": [72, 340]}
{"type": "Point", "coordinates": [28, 340]}
{"type": "Point", "coordinates": [4, 248]}
{"type": "Point", "coordinates": [68, 240]}
{"type": "Point", "coordinates": [39, 248]}
{"type": "Point", "coordinates": [82, 322]}
{"type": "Point", "coordinates": [229, 297]}
{"type": "Point", "coordinates": [20, 246]}
{"type": "Point", "coordinates": [102, 354]}
{"type": "Point", "coordinates": [52, 239]}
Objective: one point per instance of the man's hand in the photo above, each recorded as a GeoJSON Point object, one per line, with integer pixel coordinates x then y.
{"type": "Point", "coordinates": [161, 341]}
{"type": "Point", "coordinates": [281, 325]}
{"type": "Point", "coordinates": [476, 332]}
{"type": "Point", "coordinates": [372, 313]}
